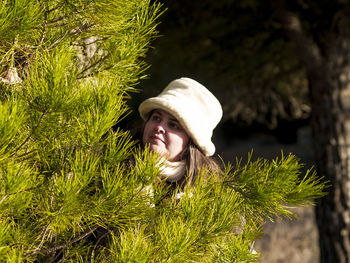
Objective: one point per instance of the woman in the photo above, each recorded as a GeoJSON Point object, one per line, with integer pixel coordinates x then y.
{"type": "Point", "coordinates": [179, 124]}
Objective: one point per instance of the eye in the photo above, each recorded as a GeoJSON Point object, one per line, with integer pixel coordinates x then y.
{"type": "Point", "coordinates": [174, 125]}
{"type": "Point", "coordinates": [155, 118]}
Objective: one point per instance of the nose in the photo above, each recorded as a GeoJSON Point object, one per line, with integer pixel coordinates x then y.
{"type": "Point", "coordinates": [160, 128]}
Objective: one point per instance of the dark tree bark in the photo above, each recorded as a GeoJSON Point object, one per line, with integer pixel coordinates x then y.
{"type": "Point", "coordinates": [329, 88]}
{"type": "Point", "coordinates": [331, 137]}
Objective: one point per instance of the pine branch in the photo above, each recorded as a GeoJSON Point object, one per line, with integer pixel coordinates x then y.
{"type": "Point", "coordinates": [59, 247]}
{"type": "Point", "coordinates": [54, 8]}
{"type": "Point", "coordinates": [18, 192]}
{"type": "Point", "coordinates": [56, 19]}
{"type": "Point", "coordinates": [99, 61]}
{"type": "Point", "coordinates": [76, 31]}
{"type": "Point", "coordinates": [30, 135]}
{"type": "Point", "coordinates": [269, 188]}
{"type": "Point", "coordinates": [25, 154]}
{"type": "Point", "coordinates": [53, 248]}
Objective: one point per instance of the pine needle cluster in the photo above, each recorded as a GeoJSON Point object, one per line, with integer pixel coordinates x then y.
{"type": "Point", "coordinates": [72, 189]}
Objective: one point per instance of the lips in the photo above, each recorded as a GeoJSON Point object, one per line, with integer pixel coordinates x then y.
{"type": "Point", "coordinates": [156, 138]}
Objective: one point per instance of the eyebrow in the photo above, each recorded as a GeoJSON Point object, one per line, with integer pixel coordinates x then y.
{"type": "Point", "coordinates": [171, 119]}
{"type": "Point", "coordinates": [175, 120]}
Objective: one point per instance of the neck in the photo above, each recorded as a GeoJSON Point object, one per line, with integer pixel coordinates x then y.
{"type": "Point", "coordinates": [173, 171]}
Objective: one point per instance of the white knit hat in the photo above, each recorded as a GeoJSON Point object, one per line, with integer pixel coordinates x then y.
{"type": "Point", "coordinates": [195, 107]}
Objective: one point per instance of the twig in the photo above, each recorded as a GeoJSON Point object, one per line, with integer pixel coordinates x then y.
{"type": "Point", "coordinates": [53, 249]}
{"type": "Point", "coordinates": [18, 192]}
{"type": "Point", "coordinates": [24, 154]}
{"type": "Point", "coordinates": [30, 135]}
{"type": "Point", "coordinates": [80, 75]}
{"type": "Point", "coordinates": [53, 9]}
{"type": "Point", "coordinates": [75, 31]}
{"type": "Point", "coordinates": [97, 242]}
{"type": "Point", "coordinates": [90, 43]}
{"type": "Point", "coordinates": [54, 20]}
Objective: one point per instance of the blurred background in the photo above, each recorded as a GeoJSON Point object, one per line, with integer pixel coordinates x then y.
{"type": "Point", "coordinates": [238, 51]}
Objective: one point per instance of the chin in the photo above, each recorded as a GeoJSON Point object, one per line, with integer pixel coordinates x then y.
{"type": "Point", "coordinates": [159, 150]}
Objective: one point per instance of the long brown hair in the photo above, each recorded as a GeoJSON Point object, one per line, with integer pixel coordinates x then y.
{"type": "Point", "coordinates": [196, 162]}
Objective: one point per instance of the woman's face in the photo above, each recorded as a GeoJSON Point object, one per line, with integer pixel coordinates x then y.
{"type": "Point", "coordinates": [164, 135]}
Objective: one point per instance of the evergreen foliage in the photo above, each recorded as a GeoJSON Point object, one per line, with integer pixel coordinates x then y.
{"type": "Point", "coordinates": [67, 190]}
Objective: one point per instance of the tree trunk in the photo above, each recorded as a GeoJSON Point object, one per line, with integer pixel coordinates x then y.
{"type": "Point", "coordinates": [328, 70]}
{"type": "Point", "coordinates": [331, 135]}
{"type": "Point", "coordinates": [330, 101]}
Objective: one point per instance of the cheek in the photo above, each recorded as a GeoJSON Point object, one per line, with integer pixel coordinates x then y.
{"type": "Point", "coordinates": [185, 140]}
{"type": "Point", "coordinates": [145, 132]}
{"type": "Point", "coordinates": [181, 141]}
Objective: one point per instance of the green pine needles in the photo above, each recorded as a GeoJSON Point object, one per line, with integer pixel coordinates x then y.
{"type": "Point", "coordinates": [72, 189]}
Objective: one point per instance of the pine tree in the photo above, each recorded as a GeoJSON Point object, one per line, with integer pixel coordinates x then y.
{"type": "Point", "coordinates": [67, 190]}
